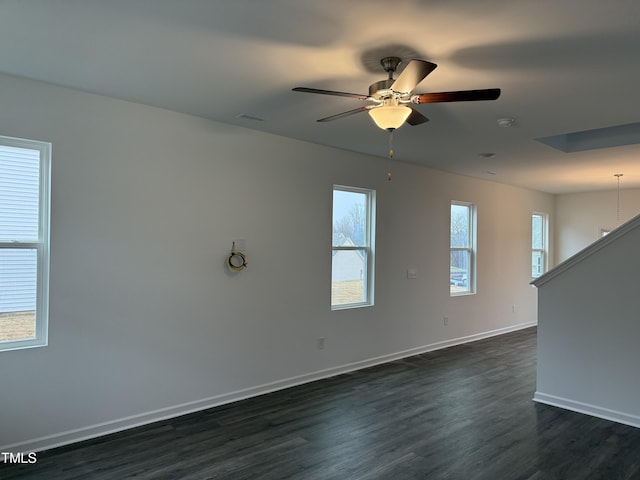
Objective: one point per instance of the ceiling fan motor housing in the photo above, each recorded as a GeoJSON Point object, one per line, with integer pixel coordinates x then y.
{"type": "Point", "coordinates": [381, 90]}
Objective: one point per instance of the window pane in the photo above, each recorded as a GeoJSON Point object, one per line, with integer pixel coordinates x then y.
{"type": "Point", "coordinates": [459, 271]}
{"type": "Point", "coordinates": [352, 247]}
{"type": "Point", "coordinates": [349, 218]}
{"type": "Point", "coordinates": [460, 221]}
{"type": "Point", "coordinates": [537, 264]}
{"type": "Point", "coordinates": [348, 276]}
{"type": "Point", "coordinates": [24, 256]}
{"type": "Point", "coordinates": [537, 240]}
{"type": "Point", "coordinates": [18, 279]}
{"type": "Point", "coordinates": [19, 193]}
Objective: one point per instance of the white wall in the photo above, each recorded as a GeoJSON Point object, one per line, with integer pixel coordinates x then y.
{"type": "Point", "coordinates": [580, 217]}
{"type": "Point", "coordinates": [588, 331]}
{"type": "Point", "coordinates": [145, 320]}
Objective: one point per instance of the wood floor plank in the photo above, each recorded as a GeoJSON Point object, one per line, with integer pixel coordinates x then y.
{"type": "Point", "coordinates": [460, 413]}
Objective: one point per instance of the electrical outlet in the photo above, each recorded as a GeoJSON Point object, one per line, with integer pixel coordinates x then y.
{"type": "Point", "coordinates": [446, 321]}
{"type": "Point", "coordinates": [320, 342]}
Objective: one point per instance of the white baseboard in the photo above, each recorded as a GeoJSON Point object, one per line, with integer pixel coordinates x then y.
{"type": "Point", "coordinates": [98, 430]}
{"type": "Point", "coordinates": [592, 410]}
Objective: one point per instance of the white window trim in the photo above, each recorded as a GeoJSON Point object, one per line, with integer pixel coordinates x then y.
{"type": "Point", "coordinates": [41, 246]}
{"type": "Point", "coordinates": [472, 249]}
{"type": "Point", "coordinates": [369, 248]}
{"type": "Point", "coordinates": [544, 251]}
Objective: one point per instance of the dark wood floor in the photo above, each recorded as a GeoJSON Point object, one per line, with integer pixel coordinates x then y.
{"type": "Point", "coordinates": [462, 413]}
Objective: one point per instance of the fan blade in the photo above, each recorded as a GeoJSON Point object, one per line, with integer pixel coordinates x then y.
{"type": "Point", "coordinates": [330, 92]}
{"type": "Point", "coordinates": [346, 114]}
{"type": "Point", "coordinates": [416, 118]}
{"type": "Point", "coordinates": [412, 75]}
{"type": "Point", "coordinates": [460, 96]}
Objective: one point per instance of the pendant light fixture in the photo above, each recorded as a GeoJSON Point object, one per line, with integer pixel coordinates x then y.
{"type": "Point", "coordinates": [618, 175]}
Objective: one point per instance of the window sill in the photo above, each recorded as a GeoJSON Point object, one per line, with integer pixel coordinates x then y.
{"type": "Point", "coordinates": [349, 306]}
{"type": "Point", "coordinates": [461, 294]}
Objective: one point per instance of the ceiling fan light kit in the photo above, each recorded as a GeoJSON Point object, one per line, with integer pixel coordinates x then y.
{"type": "Point", "coordinates": [392, 99]}
{"type": "Point", "coordinates": [390, 117]}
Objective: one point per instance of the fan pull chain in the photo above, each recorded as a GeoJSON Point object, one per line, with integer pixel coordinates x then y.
{"type": "Point", "coordinates": [390, 155]}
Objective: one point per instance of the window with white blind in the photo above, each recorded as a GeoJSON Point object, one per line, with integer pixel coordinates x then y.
{"type": "Point", "coordinates": [24, 242]}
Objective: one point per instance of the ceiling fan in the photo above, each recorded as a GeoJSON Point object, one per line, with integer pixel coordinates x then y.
{"type": "Point", "coordinates": [392, 99]}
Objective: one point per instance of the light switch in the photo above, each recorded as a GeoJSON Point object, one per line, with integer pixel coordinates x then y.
{"type": "Point", "coordinates": [412, 273]}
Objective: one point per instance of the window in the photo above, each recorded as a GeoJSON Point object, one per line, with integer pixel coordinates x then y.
{"type": "Point", "coordinates": [462, 248]}
{"type": "Point", "coordinates": [352, 252]}
{"type": "Point", "coordinates": [24, 242]}
{"type": "Point", "coordinates": [538, 244]}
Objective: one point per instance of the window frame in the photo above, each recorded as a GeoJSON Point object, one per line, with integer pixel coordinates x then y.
{"type": "Point", "coordinates": [544, 251]}
{"type": "Point", "coordinates": [368, 247]}
{"type": "Point", "coordinates": [471, 249]}
{"type": "Point", "coordinates": [41, 245]}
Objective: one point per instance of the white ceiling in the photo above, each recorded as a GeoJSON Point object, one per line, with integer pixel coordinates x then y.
{"type": "Point", "coordinates": [563, 66]}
